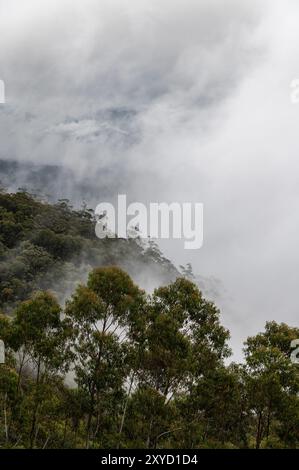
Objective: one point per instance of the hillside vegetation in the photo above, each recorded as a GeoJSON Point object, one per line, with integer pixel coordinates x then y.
{"type": "Point", "coordinates": [46, 246]}
{"type": "Point", "coordinates": [92, 361]}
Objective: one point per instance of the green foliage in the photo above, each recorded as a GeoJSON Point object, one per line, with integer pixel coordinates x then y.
{"type": "Point", "coordinates": [273, 384]}
{"type": "Point", "coordinates": [145, 372]}
{"type": "Point", "coordinates": [46, 246]}
{"type": "Point", "coordinates": [116, 368]}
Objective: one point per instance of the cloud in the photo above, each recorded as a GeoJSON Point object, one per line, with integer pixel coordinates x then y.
{"type": "Point", "coordinates": [171, 101]}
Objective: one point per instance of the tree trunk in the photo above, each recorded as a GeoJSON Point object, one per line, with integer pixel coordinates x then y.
{"type": "Point", "coordinates": [259, 431]}
{"type": "Point", "coordinates": [125, 412]}
{"type": "Point", "coordinates": [35, 409]}
{"type": "Point", "coordinates": [148, 440]}
{"type": "Point", "coordinates": [5, 418]}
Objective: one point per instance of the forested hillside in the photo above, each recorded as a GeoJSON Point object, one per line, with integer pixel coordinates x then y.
{"type": "Point", "coordinates": [45, 245]}
{"type": "Point", "coordinates": [93, 361]}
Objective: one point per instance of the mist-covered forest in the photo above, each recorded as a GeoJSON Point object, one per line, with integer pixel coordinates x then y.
{"type": "Point", "coordinates": [94, 361]}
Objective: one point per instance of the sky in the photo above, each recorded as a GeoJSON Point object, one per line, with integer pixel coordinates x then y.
{"type": "Point", "coordinates": [175, 101]}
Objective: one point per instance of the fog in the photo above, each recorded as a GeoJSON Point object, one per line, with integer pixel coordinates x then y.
{"type": "Point", "coordinates": [175, 101]}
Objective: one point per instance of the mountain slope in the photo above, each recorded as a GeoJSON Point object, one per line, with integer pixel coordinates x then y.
{"type": "Point", "coordinates": [53, 246]}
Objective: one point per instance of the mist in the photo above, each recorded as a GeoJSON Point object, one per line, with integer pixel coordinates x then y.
{"type": "Point", "coordinates": [169, 101]}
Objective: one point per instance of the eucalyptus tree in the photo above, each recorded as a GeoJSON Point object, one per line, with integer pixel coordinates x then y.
{"type": "Point", "coordinates": [103, 315]}
{"type": "Point", "coordinates": [184, 342]}
{"type": "Point", "coordinates": [273, 383]}
{"type": "Point", "coordinates": [40, 338]}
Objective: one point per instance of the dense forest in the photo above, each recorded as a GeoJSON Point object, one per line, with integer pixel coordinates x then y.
{"type": "Point", "coordinates": [93, 361]}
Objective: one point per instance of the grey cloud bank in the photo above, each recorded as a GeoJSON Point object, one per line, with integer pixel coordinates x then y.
{"type": "Point", "coordinates": [171, 101]}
